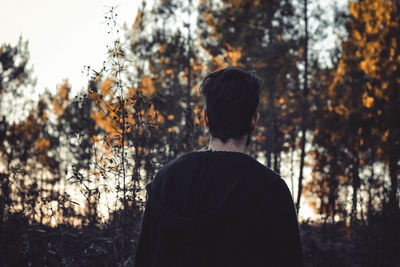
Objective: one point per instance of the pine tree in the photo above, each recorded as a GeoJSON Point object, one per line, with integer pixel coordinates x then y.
{"type": "Point", "coordinates": [355, 114]}
{"type": "Point", "coordinates": [257, 35]}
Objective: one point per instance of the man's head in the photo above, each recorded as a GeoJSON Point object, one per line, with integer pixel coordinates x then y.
{"type": "Point", "coordinates": [232, 96]}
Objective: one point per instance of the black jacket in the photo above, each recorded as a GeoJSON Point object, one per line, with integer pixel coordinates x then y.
{"type": "Point", "coordinates": [215, 208]}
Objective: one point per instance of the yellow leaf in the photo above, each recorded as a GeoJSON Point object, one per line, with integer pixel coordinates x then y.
{"type": "Point", "coordinates": [138, 20]}
{"type": "Point", "coordinates": [368, 101]}
{"type": "Point", "coordinates": [42, 144]}
{"type": "Point", "coordinates": [357, 35]}
{"type": "Point", "coordinates": [385, 136]}
{"type": "Point", "coordinates": [233, 54]}
{"type": "Point", "coordinates": [353, 9]}
{"type": "Point", "coordinates": [148, 86]}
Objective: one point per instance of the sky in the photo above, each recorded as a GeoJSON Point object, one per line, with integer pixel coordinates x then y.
{"type": "Point", "coordinates": [64, 35]}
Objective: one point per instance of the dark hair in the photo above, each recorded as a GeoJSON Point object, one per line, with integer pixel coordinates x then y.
{"type": "Point", "coordinates": [232, 96]}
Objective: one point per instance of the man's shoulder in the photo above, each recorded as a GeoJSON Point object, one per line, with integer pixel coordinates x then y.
{"type": "Point", "coordinates": [263, 169]}
{"type": "Point", "coordinates": [177, 163]}
{"type": "Point", "coordinates": [232, 162]}
{"type": "Point", "coordinates": [173, 167]}
{"type": "Point", "coordinates": [225, 157]}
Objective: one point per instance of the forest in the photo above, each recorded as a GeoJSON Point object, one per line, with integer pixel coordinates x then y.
{"type": "Point", "coordinates": [73, 167]}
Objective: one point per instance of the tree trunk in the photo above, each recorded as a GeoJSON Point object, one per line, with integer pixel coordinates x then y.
{"type": "Point", "coordinates": [370, 184]}
{"type": "Point", "coordinates": [276, 162]}
{"type": "Point", "coordinates": [393, 172]}
{"type": "Point", "coordinates": [333, 190]}
{"type": "Point", "coordinates": [355, 185]}
{"type": "Point", "coordinates": [188, 112]}
{"type": "Point", "coordinates": [304, 109]}
{"type": "Point", "coordinates": [270, 123]}
{"type": "Point", "coordinates": [292, 163]}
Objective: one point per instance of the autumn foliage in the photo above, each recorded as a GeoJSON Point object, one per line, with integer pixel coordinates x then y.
{"type": "Point", "coordinates": [73, 168]}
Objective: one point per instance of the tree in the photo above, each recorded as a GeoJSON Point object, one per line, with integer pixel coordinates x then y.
{"type": "Point", "coordinates": [170, 68]}
{"type": "Point", "coordinates": [304, 107]}
{"type": "Point", "coordinates": [355, 116]}
{"type": "Point", "coordinates": [371, 55]}
{"type": "Point", "coordinates": [15, 77]}
{"type": "Point", "coordinates": [257, 35]}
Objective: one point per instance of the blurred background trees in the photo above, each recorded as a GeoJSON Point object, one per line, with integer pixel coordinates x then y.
{"type": "Point", "coordinates": [74, 167]}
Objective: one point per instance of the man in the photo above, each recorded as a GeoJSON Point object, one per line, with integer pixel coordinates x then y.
{"type": "Point", "coordinates": [220, 207]}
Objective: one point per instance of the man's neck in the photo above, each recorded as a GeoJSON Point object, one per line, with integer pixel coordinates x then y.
{"type": "Point", "coordinates": [231, 144]}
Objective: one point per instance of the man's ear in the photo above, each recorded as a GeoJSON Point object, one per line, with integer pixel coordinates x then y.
{"type": "Point", "coordinates": [206, 124]}
{"type": "Point", "coordinates": [254, 120]}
